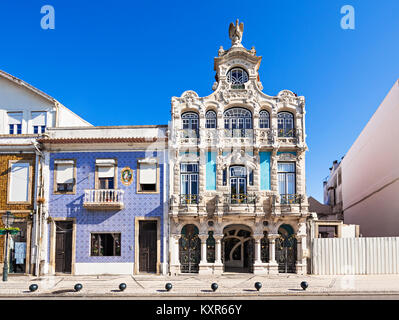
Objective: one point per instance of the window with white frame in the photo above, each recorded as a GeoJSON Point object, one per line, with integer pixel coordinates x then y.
{"type": "Point", "coordinates": [189, 182]}
{"type": "Point", "coordinates": [285, 124]}
{"type": "Point", "coordinates": [147, 175]}
{"type": "Point", "coordinates": [190, 124]}
{"type": "Point", "coordinates": [64, 175]}
{"type": "Point", "coordinates": [286, 181]}
{"type": "Point", "coordinates": [264, 120]}
{"type": "Point", "coordinates": [210, 120]}
{"type": "Point", "coordinates": [14, 122]}
{"type": "Point", "coordinates": [19, 181]}
{"type": "Point", "coordinates": [39, 122]}
{"type": "Point", "coordinates": [105, 173]}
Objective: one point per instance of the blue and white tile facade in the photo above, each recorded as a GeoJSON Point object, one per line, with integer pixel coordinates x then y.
{"type": "Point", "coordinates": [113, 221]}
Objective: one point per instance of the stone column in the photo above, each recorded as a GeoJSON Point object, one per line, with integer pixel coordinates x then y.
{"type": "Point", "coordinates": [273, 265]}
{"type": "Point", "coordinates": [218, 265]}
{"type": "Point", "coordinates": [204, 266]}
{"type": "Point", "coordinates": [174, 253]}
{"type": "Point", "coordinates": [259, 266]}
{"type": "Point", "coordinates": [301, 265]}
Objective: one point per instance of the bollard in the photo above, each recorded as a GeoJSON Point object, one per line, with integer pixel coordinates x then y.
{"type": "Point", "coordinates": [258, 286]}
{"type": "Point", "coordinates": [168, 286]}
{"type": "Point", "coordinates": [33, 287]}
{"type": "Point", "coordinates": [304, 285]}
{"type": "Point", "coordinates": [214, 286]}
{"type": "Point", "coordinates": [78, 287]}
{"type": "Point", "coordinates": [122, 286]}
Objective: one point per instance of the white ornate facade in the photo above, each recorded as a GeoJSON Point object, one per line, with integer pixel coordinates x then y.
{"type": "Point", "coordinates": [237, 174]}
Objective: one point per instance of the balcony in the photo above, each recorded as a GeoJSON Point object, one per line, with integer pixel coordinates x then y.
{"type": "Point", "coordinates": [242, 198]}
{"type": "Point", "coordinates": [187, 199]}
{"type": "Point", "coordinates": [290, 199]}
{"type": "Point", "coordinates": [190, 136]}
{"type": "Point", "coordinates": [287, 204]}
{"type": "Point", "coordinates": [289, 135]}
{"type": "Point", "coordinates": [238, 133]}
{"type": "Point", "coordinates": [103, 199]}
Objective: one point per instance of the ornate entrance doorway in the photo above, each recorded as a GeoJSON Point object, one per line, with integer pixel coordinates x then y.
{"type": "Point", "coordinates": [238, 249]}
{"type": "Point", "coordinates": [190, 249]}
{"type": "Point", "coordinates": [286, 249]}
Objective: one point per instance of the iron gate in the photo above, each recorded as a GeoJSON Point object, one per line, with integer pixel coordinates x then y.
{"type": "Point", "coordinates": [286, 248]}
{"type": "Point", "coordinates": [190, 249]}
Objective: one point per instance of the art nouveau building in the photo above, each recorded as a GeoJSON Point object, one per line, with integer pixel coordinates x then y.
{"type": "Point", "coordinates": [237, 174]}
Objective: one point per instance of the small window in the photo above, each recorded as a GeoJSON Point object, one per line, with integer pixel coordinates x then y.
{"type": "Point", "coordinates": [210, 119]}
{"type": "Point", "coordinates": [105, 244]}
{"type": "Point", "coordinates": [251, 177]}
{"type": "Point", "coordinates": [15, 122]}
{"type": "Point", "coordinates": [39, 122]}
{"type": "Point", "coordinates": [147, 175]}
{"type": "Point", "coordinates": [225, 176]}
{"type": "Point", "coordinates": [64, 175]}
{"type": "Point", "coordinates": [237, 77]}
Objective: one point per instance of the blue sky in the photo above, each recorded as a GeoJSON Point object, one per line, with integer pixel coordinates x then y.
{"type": "Point", "coordinates": [120, 62]}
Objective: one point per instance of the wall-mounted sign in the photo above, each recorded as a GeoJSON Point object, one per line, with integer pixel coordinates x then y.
{"type": "Point", "coordinates": [127, 176]}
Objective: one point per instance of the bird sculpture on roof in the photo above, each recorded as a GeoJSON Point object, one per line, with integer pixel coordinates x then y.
{"type": "Point", "coordinates": [235, 33]}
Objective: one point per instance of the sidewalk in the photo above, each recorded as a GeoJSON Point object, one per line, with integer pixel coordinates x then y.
{"type": "Point", "coordinates": [195, 286]}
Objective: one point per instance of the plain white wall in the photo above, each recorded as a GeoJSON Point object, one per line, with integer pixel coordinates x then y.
{"type": "Point", "coordinates": [370, 165]}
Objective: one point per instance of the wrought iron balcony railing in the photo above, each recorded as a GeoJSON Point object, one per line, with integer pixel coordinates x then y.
{"type": "Point", "coordinates": [238, 133]}
{"type": "Point", "coordinates": [103, 199]}
{"type": "Point", "coordinates": [241, 198]}
{"type": "Point", "coordinates": [286, 133]}
{"type": "Point", "coordinates": [189, 199]}
{"type": "Point", "coordinates": [290, 198]}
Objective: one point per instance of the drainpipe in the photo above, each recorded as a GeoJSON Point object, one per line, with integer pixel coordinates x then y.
{"type": "Point", "coordinates": [39, 209]}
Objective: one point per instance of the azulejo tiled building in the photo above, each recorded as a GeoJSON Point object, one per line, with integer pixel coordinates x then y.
{"type": "Point", "coordinates": [106, 200]}
{"type": "Point", "coordinates": [237, 173]}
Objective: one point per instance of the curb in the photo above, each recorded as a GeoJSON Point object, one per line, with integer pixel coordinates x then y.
{"type": "Point", "coordinates": [196, 295]}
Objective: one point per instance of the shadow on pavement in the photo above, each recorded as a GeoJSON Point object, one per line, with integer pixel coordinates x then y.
{"type": "Point", "coordinates": [63, 291]}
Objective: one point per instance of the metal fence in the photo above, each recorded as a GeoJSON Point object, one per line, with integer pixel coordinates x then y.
{"type": "Point", "coordinates": [340, 256]}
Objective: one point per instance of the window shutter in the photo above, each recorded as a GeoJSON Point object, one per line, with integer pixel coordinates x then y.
{"type": "Point", "coordinates": [38, 118]}
{"type": "Point", "coordinates": [148, 173]}
{"type": "Point", "coordinates": [64, 173]}
{"type": "Point", "coordinates": [14, 117]}
{"type": "Point", "coordinates": [106, 171]}
{"type": "Point", "coordinates": [19, 182]}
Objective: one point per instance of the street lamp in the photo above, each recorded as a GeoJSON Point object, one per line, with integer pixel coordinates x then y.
{"type": "Point", "coordinates": [8, 220]}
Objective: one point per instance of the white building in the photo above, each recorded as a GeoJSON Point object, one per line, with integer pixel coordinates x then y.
{"type": "Point", "coordinates": [370, 175]}
{"type": "Point", "coordinates": [25, 114]}
{"type": "Point", "coordinates": [237, 173]}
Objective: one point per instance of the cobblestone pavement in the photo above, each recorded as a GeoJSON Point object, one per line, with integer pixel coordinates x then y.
{"type": "Point", "coordinates": [195, 286]}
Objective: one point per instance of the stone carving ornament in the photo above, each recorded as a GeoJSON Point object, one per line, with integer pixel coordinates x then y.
{"type": "Point", "coordinates": [235, 33]}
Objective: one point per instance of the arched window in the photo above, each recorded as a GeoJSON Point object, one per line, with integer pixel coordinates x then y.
{"type": "Point", "coordinates": [285, 124]}
{"type": "Point", "coordinates": [210, 120]}
{"type": "Point", "coordinates": [238, 122]}
{"type": "Point", "coordinates": [190, 124]}
{"type": "Point", "coordinates": [264, 119]}
{"type": "Point", "coordinates": [237, 77]}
